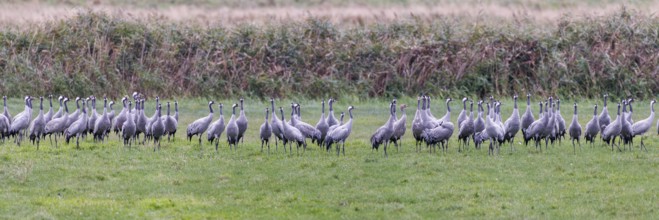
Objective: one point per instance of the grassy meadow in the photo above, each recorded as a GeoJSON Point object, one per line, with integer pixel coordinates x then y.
{"type": "Point", "coordinates": [182, 180]}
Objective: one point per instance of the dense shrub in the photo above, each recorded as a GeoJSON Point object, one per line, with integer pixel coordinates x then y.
{"type": "Point", "coordinates": [101, 54]}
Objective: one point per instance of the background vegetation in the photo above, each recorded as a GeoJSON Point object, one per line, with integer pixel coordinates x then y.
{"type": "Point", "coordinates": [95, 53]}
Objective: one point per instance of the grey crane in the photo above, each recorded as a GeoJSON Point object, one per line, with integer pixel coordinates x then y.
{"type": "Point", "coordinates": [446, 119]}
{"type": "Point", "coordinates": [383, 134]}
{"type": "Point", "coordinates": [121, 117]}
{"type": "Point", "coordinates": [157, 128]}
{"type": "Point", "coordinates": [74, 116]}
{"type": "Point", "coordinates": [171, 123]}
{"type": "Point", "coordinates": [534, 131]}
{"type": "Point", "coordinates": [417, 124]}
{"type": "Point", "coordinates": [4, 127]}
{"type": "Point", "coordinates": [49, 115]}
{"type": "Point", "coordinates": [340, 134]}
{"type": "Point", "coordinates": [604, 118]}
{"type": "Point", "coordinates": [6, 112]}
{"type": "Point", "coordinates": [592, 128]}
{"type": "Point", "coordinates": [102, 123]}
{"type": "Point", "coordinates": [399, 128]}
{"type": "Point", "coordinates": [626, 130]}
{"type": "Point", "coordinates": [265, 132]}
{"type": "Point", "coordinates": [331, 120]}
{"type": "Point", "coordinates": [21, 121]}
{"type": "Point", "coordinates": [111, 113]}
{"type": "Point", "coordinates": [91, 121]}
{"type": "Point", "coordinates": [322, 125]}
{"type": "Point", "coordinates": [128, 128]}
{"type": "Point", "coordinates": [275, 123]}
{"type": "Point", "coordinates": [78, 128]}
{"type": "Point", "coordinates": [152, 119]}
{"type": "Point", "coordinates": [630, 112]}
{"type": "Point", "coordinates": [463, 114]}
{"type": "Point", "coordinates": [140, 121]}
{"type": "Point", "coordinates": [437, 135]}
{"type": "Point", "coordinates": [550, 128]}
{"type": "Point", "coordinates": [466, 128]}
{"type": "Point", "coordinates": [306, 129]}
{"type": "Point", "coordinates": [60, 111]}
{"type": "Point", "coordinates": [527, 118]}
{"type": "Point", "coordinates": [330, 129]}
{"type": "Point", "coordinates": [560, 121]}
{"type": "Point", "coordinates": [58, 125]}
{"type": "Point", "coordinates": [176, 110]}
{"type": "Point", "coordinates": [216, 128]}
{"type": "Point", "coordinates": [512, 125]}
{"type": "Point", "coordinates": [241, 122]}
{"type": "Point", "coordinates": [426, 117]}
{"type": "Point", "coordinates": [575, 129]}
{"type": "Point", "coordinates": [199, 126]}
{"type": "Point", "coordinates": [233, 130]}
{"type": "Point", "coordinates": [492, 131]}
{"type": "Point", "coordinates": [292, 134]}
{"type": "Point", "coordinates": [37, 125]}
{"type": "Point", "coordinates": [643, 126]}
{"type": "Point", "coordinates": [479, 123]}
{"type": "Point", "coordinates": [612, 131]}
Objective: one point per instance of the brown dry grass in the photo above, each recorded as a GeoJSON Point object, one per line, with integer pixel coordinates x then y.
{"type": "Point", "coordinates": [19, 14]}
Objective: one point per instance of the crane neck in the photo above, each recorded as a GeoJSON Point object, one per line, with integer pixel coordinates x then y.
{"type": "Point", "coordinates": [528, 100]}
{"type": "Point", "coordinates": [595, 111]}
{"type": "Point", "coordinates": [515, 102]}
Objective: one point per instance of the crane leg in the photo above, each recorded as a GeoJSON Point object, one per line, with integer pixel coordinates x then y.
{"type": "Point", "coordinates": [574, 147]}
{"type": "Point", "coordinates": [579, 142]}
{"type": "Point", "coordinates": [343, 147]}
{"type": "Point", "coordinates": [642, 146]}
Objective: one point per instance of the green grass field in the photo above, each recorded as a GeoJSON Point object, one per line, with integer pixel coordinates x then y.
{"type": "Point", "coordinates": [184, 181]}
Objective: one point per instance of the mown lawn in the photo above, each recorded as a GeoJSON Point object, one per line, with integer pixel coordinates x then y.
{"type": "Point", "coordinates": [183, 180]}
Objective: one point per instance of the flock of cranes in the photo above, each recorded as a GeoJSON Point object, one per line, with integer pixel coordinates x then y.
{"type": "Point", "coordinates": [130, 122]}
{"type": "Point", "coordinates": [487, 125]}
